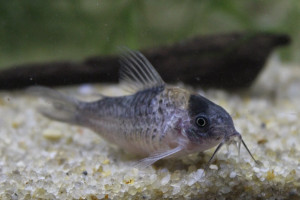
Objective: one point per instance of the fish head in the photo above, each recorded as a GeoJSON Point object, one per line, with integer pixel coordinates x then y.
{"type": "Point", "coordinates": [209, 123]}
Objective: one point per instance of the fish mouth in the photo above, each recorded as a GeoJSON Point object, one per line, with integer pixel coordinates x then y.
{"type": "Point", "coordinates": [235, 138]}
{"type": "Point", "coordinates": [233, 135]}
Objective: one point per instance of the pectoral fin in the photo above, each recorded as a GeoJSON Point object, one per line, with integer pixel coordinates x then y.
{"type": "Point", "coordinates": [157, 156]}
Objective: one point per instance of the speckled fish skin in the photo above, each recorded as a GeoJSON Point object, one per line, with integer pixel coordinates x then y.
{"type": "Point", "coordinates": [156, 121]}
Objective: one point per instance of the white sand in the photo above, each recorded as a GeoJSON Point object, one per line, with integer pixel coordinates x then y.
{"type": "Point", "coordinates": [44, 159]}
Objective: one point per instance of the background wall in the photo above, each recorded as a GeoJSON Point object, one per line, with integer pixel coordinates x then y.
{"type": "Point", "coordinates": [34, 30]}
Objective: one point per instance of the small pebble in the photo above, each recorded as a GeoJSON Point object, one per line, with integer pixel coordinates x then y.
{"type": "Point", "coordinates": [52, 134]}
{"type": "Point", "coordinates": [232, 174]}
{"type": "Point", "coordinates": [166, 179]}
{"type": "Point", "coordinates": [263, 125]}
{"type": "Point", "coordinates": [85, 173]}
{"type": "Point", "coordinates": [214, 167]}
{"type": "Point", "coordinates": [106, 162]}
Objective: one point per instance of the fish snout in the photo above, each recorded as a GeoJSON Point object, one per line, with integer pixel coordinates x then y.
{"type": "Point", "coordinates": [233, 136]}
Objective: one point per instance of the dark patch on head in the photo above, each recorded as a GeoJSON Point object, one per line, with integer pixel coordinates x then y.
{"type": "Point", "coordinates": [198, 104]}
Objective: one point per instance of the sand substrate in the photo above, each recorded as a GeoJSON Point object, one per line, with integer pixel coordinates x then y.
{"type": "Point", "coordinates": [43, 159]}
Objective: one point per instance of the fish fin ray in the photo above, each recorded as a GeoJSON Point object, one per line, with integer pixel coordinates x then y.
{"type": "Point", "coordinates": [63, 108]}
{"type": "Point", "coordinates": [143, 163]}
{"type": "Point", "coordinates": [137, 73]}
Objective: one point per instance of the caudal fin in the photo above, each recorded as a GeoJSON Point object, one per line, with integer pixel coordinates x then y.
{"type": "Point", "coordinates": [63, 108]}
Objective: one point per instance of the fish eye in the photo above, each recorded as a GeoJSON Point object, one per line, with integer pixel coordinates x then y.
{"type": "Point", "coordinates": [201, 121]}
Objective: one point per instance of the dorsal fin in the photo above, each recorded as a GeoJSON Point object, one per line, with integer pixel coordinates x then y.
{"type": "Point", "coordinates": [137, 73]}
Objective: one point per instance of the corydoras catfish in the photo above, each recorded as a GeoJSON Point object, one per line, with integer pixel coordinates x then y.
{"type": "Point", "coordinates": [156, 121]}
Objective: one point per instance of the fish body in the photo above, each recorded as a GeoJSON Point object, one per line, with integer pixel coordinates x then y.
{"type": "Point", "coordinates": [156, 121]}
{"type": "Point", "coordinates": [143, 123]}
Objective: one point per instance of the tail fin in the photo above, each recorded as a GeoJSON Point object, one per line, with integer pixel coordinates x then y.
{"type": "Point", "coordinates": [64, 108]}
